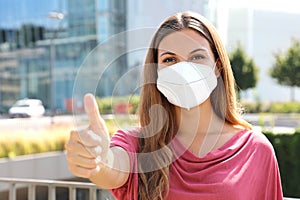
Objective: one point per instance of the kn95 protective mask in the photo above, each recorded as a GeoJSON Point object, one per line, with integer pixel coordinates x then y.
{"type": "Point", "coordinates": [186, 84]}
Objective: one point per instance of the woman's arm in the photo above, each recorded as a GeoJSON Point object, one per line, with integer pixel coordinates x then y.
{"type": "Point", "coordinates": [116, 172]}
{"type": "Point", "coordinates": [89, 154]}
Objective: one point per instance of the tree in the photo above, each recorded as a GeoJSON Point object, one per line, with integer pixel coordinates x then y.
{"type": "Point", "coordinates": [244, 70]}
{"type": "Point", "coordinates": [286, 69]}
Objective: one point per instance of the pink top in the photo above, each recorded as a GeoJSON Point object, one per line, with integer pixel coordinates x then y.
{"type": "Point", "coordinates": [245, 167]}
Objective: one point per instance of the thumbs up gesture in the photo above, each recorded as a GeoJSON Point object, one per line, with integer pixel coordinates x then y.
{"type": "Point", "coordinates": [87, 149]}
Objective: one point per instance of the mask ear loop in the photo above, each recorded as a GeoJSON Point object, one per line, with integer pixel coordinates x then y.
{"type": "Point", "coordinates": [214, 68]}
{"type": "Point", "coordinates": [215, 64]}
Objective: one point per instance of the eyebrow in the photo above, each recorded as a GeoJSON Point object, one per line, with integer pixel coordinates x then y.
{"type": "Point", "coordinates": [171, 53]}
{"type": "Point", "coordinates": [167, 52]}
{"type": "Point", "coordinates": [199, 49]}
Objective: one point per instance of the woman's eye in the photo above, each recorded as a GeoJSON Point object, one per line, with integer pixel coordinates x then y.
{"type": "Point", "coordinates": [169, 60]}
{"type": "Point", "coordinates": [197, 57]}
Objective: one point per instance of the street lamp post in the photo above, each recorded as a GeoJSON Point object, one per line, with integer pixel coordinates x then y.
{"type": "Point", "coordinates": [58, 16]}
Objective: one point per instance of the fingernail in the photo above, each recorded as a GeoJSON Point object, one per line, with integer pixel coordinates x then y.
{"type": "Point", "coordinates": [98, 150]}
{"type": "Point", "coordinates": [94, 135]}
{"type": "Point", "coordinates": [98, 159]}
{"type": "Point", "coordinates": [91, 132]}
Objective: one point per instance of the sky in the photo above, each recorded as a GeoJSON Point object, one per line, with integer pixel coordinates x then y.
{"type": "Point", "coordinates": [38, 11]}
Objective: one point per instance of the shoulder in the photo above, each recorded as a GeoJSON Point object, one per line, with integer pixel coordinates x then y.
{"type": "Point", "coordinates": [259, 144]}
{"type": "Point", "coordinates": [252, 148]}
{"type": "Point", "coordinates": [127, 139]}
{"type": "Point", "coordinates": [261, 141]}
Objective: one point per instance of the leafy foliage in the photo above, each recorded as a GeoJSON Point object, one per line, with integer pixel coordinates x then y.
{"type": "Point", "coordinates": [286, 69]}
{"type": "Point", "coordinates": [286, 147]}
{"type": "Point", "coordinates": [109, 105]}
{"type": "Point", "coordinates": [273, 107]}
{"type": "Point", "coordinates": [244, 69]}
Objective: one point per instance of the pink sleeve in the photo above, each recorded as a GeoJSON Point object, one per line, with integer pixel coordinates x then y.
{"type": "Point", "coordinates": [129, 142]}
{"type": "Point", "coordinates": [274, 188]}
{"type": "Point", "coordinates": [270, 182]}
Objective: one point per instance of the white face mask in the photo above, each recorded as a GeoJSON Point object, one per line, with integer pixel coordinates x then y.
{"type": "Point", "coordinates": [186, 84]}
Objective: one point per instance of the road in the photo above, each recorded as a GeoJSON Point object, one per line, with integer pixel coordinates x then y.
{"type": "Point", "coordinates": [276, 123]}
{"type": "Point", "coordinates": [37, 123]}
{"type": "Point", "coordinates": [279, 123]}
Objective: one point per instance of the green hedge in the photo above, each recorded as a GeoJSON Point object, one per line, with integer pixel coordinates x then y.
{"type": "Point", "coordinates": [287, 148]}
{"type": "Point", "coordinates": [109, 105]}
{"type": "Point", "coordinates": [274, 107]}
{"type": "Point", "coordinates": [13, 148]}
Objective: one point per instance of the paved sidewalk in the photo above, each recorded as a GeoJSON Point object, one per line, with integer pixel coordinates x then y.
{"type": "Point", "coordinates": [276, 129]}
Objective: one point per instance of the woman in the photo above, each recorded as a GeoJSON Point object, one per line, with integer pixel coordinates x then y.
{"type": "Point", "coordinates": [192, 143]}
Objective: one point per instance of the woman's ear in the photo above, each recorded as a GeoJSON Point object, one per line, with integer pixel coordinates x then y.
{"type": "Point", "coordinates": [218, 68]}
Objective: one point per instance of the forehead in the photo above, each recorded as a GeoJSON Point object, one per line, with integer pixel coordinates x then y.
{"type": "Point", "coordinates": [183, 41]}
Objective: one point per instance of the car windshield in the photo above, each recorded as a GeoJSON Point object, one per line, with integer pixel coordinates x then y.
{"type": "Point", "coordinates": [27, 103]}
{"type": "Point", "coordinates": [22, 105]}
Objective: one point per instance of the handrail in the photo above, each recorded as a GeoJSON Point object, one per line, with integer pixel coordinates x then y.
{"type": "Point", "coordinates": [52, 185]}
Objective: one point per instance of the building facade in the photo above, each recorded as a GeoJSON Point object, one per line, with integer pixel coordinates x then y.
{"type": "Point", "coordinates": [40, 55]}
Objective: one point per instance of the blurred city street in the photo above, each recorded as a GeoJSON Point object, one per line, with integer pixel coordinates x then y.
{"type": "Point", "coordinates": [54, 52]}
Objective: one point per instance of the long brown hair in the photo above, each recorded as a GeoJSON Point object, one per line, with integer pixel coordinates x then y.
{"type": "Point", "coordinates": [157, 115]}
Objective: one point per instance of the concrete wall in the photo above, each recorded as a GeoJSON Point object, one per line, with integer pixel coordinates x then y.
{"type": "Point", "coordinates": [51, 165]}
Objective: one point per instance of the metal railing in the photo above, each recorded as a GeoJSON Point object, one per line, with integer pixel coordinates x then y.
{"type": "Point", "coordinates": [31, 184]}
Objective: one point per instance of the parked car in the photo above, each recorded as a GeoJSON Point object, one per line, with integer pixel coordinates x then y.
{"type": "Point", "coordinates": [27, 108]}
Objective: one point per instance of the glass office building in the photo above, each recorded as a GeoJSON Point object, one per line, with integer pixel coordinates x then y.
{"type": "Point", "coordinates": [41, 52]}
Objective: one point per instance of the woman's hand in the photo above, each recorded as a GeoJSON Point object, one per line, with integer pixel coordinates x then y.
{"type": "Point", "coordinates": [87, 149]}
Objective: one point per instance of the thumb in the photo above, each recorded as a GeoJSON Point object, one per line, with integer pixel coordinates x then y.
{"type": "Point", "coordinates": [91, 108]}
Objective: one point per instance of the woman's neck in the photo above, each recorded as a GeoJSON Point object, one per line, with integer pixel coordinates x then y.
{"type": "Point", "coordinates": [198, 120]}
{"type": "Point", "coordinates": [197, 125]}
{"type": "Point", "coordinates": [201, 130]}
